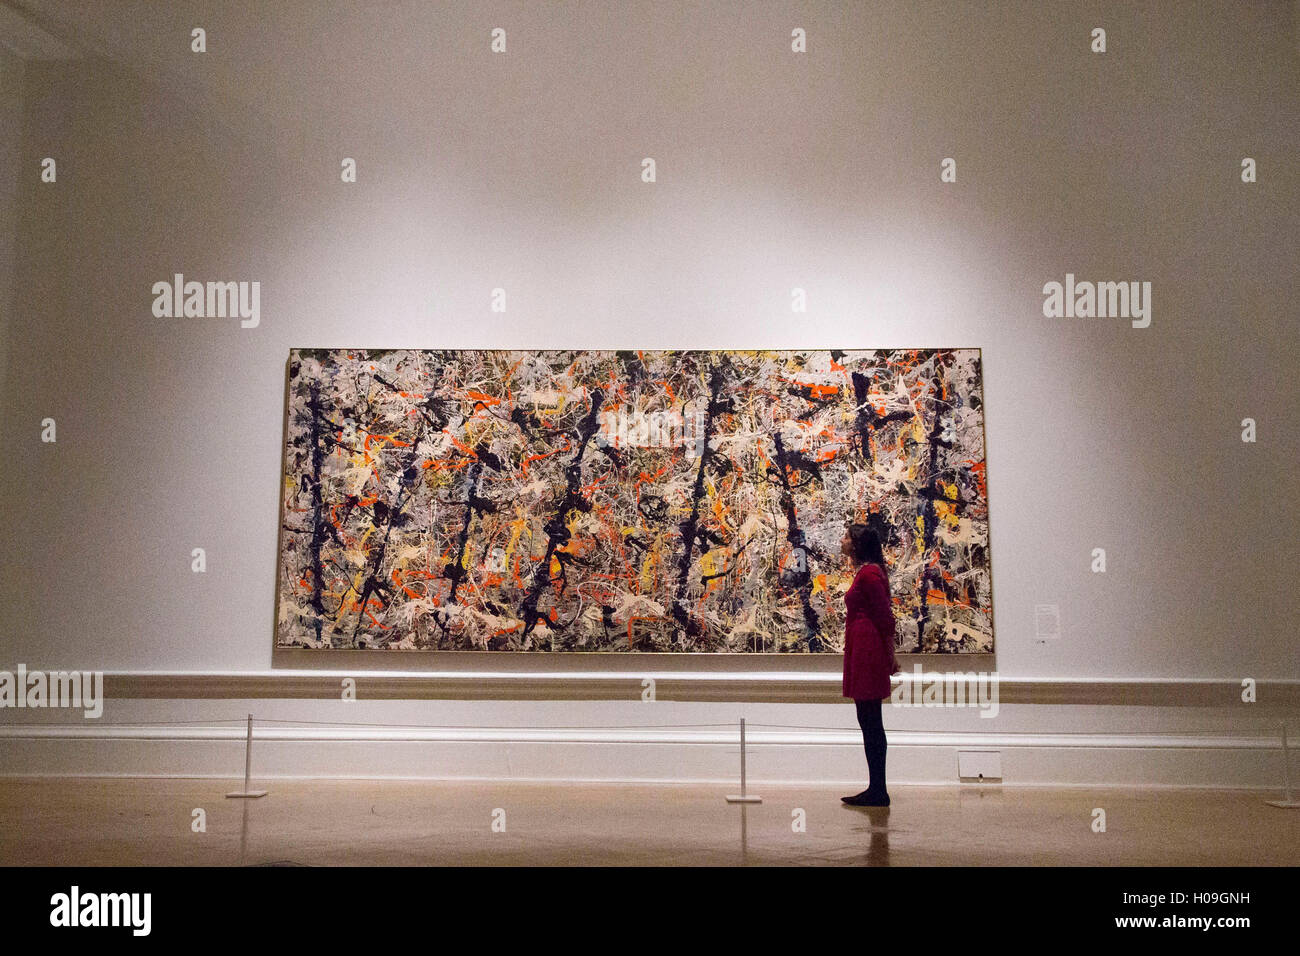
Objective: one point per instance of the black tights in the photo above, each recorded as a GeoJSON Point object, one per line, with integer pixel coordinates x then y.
{"type": "Point", "coordinates": [873, 740]}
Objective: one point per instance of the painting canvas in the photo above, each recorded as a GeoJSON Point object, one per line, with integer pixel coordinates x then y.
{"type": "Point", "coordinates": [629, 501]}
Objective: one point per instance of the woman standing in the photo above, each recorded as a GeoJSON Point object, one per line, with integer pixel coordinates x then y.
{"type": "Point", "coordinates": [868, 652]}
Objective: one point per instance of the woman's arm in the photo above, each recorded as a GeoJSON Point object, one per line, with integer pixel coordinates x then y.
{"type": "Point", "coordinates": [883, 606]}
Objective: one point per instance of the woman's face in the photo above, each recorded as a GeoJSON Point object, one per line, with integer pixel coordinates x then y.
{"type": "Point", "coordinates": [846, 546]}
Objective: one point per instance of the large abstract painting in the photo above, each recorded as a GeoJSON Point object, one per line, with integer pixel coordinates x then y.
{"type": "Point", "coordinates": [629, 501]}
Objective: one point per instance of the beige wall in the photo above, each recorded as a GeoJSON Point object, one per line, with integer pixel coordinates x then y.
{"type": "Point", "coordinates": [11, 121]}
{"type": "Point", "coordinates": [775, 170]}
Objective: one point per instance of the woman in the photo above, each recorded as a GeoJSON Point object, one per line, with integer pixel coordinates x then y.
{"type": "Point", "coordinates": [868, 652]}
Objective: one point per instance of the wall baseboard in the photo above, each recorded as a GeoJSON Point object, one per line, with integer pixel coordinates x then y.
{"type": "Point", "coordinates": [659, 755]}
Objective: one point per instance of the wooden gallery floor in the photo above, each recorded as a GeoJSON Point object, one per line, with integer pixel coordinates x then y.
{"type": "Point", "coordinates": [330, 822]}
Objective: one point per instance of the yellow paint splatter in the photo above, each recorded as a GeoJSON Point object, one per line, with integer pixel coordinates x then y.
{"type": "Point", "coordinates": [708, 564]}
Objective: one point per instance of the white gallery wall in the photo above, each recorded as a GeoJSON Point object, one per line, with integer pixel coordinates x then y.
{"type": "Point", "coordinates": [775, 170]}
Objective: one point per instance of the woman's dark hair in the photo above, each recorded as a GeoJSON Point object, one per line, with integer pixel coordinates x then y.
{"type": "Point", "coordinates": [866, 545]}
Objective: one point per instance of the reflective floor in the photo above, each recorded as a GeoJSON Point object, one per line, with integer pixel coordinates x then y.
{"type": "Point", "coordinates": [97, 821]}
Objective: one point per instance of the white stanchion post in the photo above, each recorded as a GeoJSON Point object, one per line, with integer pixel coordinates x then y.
{"type": "Point", "coordinates": [248, 766]}
{"type": "Point", "coordinates": [742, 797]}
{"type": "Point", "coordinates": [1289, 802]}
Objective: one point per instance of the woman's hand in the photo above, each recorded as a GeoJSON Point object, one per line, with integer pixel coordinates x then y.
{"type": "Point", "coordinates": [894, 667]}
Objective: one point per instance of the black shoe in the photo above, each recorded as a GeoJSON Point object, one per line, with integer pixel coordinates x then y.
{"type": "Point", "coordinates": [866, 799]}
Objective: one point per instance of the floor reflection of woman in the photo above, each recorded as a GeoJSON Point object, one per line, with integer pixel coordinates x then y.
{"type": "Point", "coordinates": [868, 653]}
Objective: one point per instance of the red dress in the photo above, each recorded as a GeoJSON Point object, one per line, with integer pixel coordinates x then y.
{"type": "Point", "coordinates": [868, 635]}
